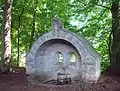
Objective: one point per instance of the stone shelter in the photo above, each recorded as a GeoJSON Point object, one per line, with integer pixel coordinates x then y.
{"type": "Point", "coordinates": [61, 54]}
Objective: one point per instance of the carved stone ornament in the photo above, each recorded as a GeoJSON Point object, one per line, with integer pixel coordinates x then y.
{"type": "Point", "coordinates": [56, 24]}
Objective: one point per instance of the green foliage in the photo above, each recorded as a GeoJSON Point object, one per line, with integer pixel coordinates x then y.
{"type": "Point", "coordinates": [91, 18]}
{"type": "Point", "coordinates": [97, 26]}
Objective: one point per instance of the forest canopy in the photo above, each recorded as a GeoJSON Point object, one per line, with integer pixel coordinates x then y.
{"type": "Point", "coordinates": [32, 18]}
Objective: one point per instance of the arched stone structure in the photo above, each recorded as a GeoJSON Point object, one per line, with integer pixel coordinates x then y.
{"type": "Point", "coordinates": [41, 61]}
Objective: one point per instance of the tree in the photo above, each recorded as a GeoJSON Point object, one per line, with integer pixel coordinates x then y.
{"type": "Point", "coordinates": [1, 18]}
{"type": "Point", "coordinates": [34, 21]}
{"type": "Point", "coordinates": [33, 25]}
{"type": "Point", "coordinates": [6, 38]}
{"type": "Point", "coordinates": [18, 36]}
{"type": "Point", "coordinates": [111, 48]}
{"type": "Point", "coordinates": [94, 19]}
{"type": "Point", "coordinates": [115, 38]}
{"type": "Point", "coordinates": [91, 18]}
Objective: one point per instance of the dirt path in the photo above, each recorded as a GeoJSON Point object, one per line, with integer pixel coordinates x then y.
{"type": "Point", "coordinates": [16, 82]}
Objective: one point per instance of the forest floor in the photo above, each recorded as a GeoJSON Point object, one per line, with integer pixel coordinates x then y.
{"type": "Point", "coordinates": [16, 81]}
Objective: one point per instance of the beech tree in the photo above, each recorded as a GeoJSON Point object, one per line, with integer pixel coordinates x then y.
{"type": "Point", "coordinates": [97, 20]}
{"type": "Point", "coordinates": [115, 37]}
{"type": "Point", "coordinates": [6, 38]}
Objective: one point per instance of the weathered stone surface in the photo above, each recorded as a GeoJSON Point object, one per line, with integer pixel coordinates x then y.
{"type": "Point", "coordinates": [43, 59]}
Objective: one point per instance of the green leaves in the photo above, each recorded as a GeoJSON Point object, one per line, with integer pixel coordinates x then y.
{"type": "Point", "coordinates": [91, 18]}
{"type": "Point", "coordinates": [97, 17]}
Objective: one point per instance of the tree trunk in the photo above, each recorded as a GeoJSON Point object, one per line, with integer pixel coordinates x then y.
{"type": "Point", "coordinates": [6, 39]}
{"type": "Point", "coordinates": [33, 23]}
{"type": "Point", "coordinates": [19, 25]}
{"type": "Point", "coordinates": [115, 45]}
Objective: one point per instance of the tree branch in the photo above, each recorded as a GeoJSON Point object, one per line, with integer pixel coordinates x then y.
{"type": "Point", "coordinates": [103, 6]}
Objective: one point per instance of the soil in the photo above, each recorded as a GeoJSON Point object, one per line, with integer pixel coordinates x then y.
{"type": "Point", "coordinates": [16, 81]}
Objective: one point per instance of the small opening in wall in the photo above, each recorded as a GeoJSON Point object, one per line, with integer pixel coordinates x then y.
{"type": "Point", "coordinates": [60, 57]}
{"type": "Point", "coordinates": [72, 58]}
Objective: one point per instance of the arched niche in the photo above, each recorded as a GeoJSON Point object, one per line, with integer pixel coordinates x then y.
{"type": "Point", "coordinates": [51, 50]}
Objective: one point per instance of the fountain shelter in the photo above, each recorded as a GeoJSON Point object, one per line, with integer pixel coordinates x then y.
{"type": "Point", "coordinates": [61, 54]}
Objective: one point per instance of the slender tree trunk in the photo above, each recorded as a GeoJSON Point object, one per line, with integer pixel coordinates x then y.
{"type": "Point", "coordinates": [33, 23]}
{"type": "Point", "coordinates": [19, 24]}
{"type": "Point", "coordinates": [6, 38]}
{"type": "Point", "coordinates": [115, 45]}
